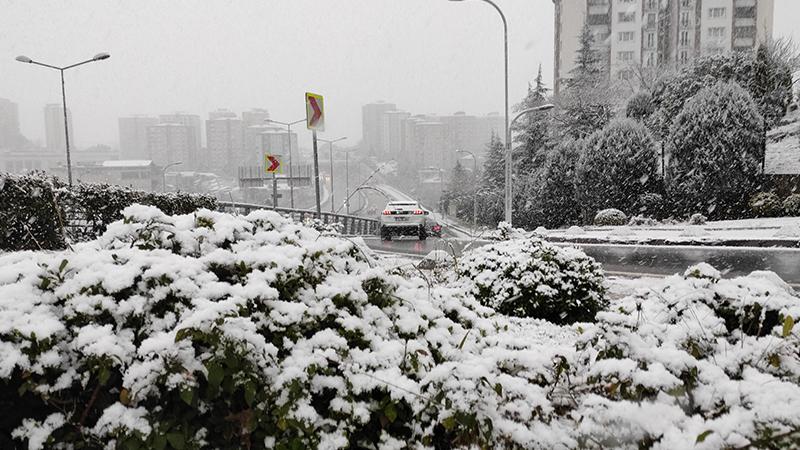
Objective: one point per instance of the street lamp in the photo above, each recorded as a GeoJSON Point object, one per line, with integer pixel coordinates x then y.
{"type": "Point", "coordinates": [97, 57]}
{"type": "Point", "coordinates": [508, 129]}
{"type": "Point", "coordinates": [164, 172]}
{"type": "Point", "coordinates": [347, 178]}
{"type": "Point", "coordinates": [289, 137]}
{"type": "Point", "coordinates": [475, 196]}
{"type": "Point", "coordinates": [330, 149]}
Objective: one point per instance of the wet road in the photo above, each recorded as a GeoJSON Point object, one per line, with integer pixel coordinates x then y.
{"type": "Point", "coordinates": [639, 259]}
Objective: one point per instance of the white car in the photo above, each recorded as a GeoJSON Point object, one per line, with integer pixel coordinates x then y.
{"type": "Point", "coordinates": [404, 218]}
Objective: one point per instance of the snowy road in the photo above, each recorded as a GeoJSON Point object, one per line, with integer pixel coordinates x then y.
{"type": "Point", "coordinates": [649, 260]}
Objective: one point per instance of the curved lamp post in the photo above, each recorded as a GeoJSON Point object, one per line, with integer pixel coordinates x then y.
{"type": "Point", "coordinates": [97, 57]}
{"type": "Point", "coordinates": [330, 149]}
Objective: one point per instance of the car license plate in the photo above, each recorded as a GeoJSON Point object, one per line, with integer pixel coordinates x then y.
{"type": "Point", "coordinates": [400, 219]}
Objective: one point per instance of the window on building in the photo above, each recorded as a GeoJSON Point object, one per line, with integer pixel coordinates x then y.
{"type": "Point", "coordinates": [684, 56]}
{"type": "Point", "coordinates": [686, 3]}
{"type": "Point", "coordinates": [651, 40]}
{"type": "Point", "coordinates": [627, 17]}
{"type": "Point", "coordinates": [627, 36]}
{"type": "Point", "coordinates": [651, 19]}
{"type": "Point", "coordinates": [684, 38]}
{"type": "Point", "coordinates": [716, 12]}
{"type": "Point", "coordinates": [716, 32]}
{"type": "Point", "coordinates": [652, 4]}
{"type": "Point", "coordinates": [651, 60]}
{"type": "Point", "coordinates": [684, 19]}
{"type": "Point", "coordinates": [625, 56]}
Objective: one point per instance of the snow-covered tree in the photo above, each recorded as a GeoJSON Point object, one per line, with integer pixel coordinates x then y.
{"type": "Point", "coordinates": [532, 129]}
{"type": "Point", "coordinates": [617, 166]}
{"type": "Point", "coordinates": [765, 75]}
{"type": "Point", "coordinates": [554, 203]}
{"type": "Point", "coordinates": [588, 101]}
{"type": "Point", "coordinates": [460, 192]}
{"type": "Point", "coordinates": [716, 144]}
{"type": "Point", "coordinates": [492, 183]}
{"type": "Point", "coordinates": [640, 107]}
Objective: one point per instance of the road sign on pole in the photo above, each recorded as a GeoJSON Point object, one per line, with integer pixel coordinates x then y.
{"type": "Point", "coordinates": [315, 112]}
{"type": "Point", "coordinates": [272, 164]}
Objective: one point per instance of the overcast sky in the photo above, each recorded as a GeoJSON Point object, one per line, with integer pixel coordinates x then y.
{"type": "Point", "coordinates": [427, 56]}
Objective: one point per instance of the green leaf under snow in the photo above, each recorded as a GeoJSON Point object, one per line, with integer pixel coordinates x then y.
{"type": "Point", "coordinates": [788, 324]}
{"type": "Point", "coordinates": [702, 436]}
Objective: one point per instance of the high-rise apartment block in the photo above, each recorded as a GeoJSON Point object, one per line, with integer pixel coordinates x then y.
{"type": "Point", "coordinates": [55, 137]}
{"type": "Point", "coordinates": [133, 137]}
{"type": "Point", "coordinates": [631, 34]}
{"type": "Point", "coordinates": [224, 141]}
{"type": "Point", "coordinates": [419, 141]}
{"type": "Point", "coordinates": [189, 120]}
{"type": "Point", "coordinates": [9, 124]}
{"type": "Point", "coordinates": [254, 117]}
{"type": "Point", "coordinates": [169, 143]}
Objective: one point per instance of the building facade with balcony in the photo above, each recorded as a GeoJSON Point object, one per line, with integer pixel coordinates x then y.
{"type": "Point", "coordinates": [635, 34]}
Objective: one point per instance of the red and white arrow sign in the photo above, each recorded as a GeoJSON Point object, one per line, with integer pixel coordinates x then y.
{"type": "Point", "coordinates": [273, 164]}
{"type": "Point", "coordinates": [315, 112]}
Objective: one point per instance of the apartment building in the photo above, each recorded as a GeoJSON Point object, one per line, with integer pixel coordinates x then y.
{"type": "Point", "coordinates": [630, 34]}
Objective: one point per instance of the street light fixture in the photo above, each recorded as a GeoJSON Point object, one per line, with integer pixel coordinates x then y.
{"type": "Point", "coordinates": [330, 149]}
{"type": "Point", "coordinates": [164, 173]}
{"type": "Point", "coordinates": [508, 165]}
{"type": "Point", "coordinates": [289, 137]}
{"type": "Point", "coordinates": [97, 57]}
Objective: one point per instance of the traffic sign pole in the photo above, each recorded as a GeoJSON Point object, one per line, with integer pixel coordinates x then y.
{"type": "Point", "coordinates": [316, 173]}
{"type": "Point", "coordinates": [274, 190]}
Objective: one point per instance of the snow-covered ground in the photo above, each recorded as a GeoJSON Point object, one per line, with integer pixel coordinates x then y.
{"type": "Point", "coordinates": [745, 231]}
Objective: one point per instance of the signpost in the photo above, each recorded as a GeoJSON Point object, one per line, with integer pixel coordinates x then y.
{"type": "Point", "coordinates": [315, 121]}
{"type": "Point", "coordinates": [272, 164]}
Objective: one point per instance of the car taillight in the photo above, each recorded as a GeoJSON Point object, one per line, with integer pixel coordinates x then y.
{"type": "Point", "coordinates": [419, 212]}
{"type": "Point", "coordinates": [386, 212]}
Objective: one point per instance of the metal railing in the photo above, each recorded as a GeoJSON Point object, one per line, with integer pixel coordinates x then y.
{"type": "Point", "coordinates": [350, 224]}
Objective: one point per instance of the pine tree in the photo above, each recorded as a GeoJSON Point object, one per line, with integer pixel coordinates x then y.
{"type": "Point", "coordinates": [492, 183]}
{"type": "Point", "coordinates": [588, 68]}
{"type": "Point", "coordinates": [532, 129]}
{"type": "Point", "coordinates": [460, 192]}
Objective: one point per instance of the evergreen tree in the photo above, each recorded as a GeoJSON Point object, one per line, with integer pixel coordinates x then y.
{"type": "Point", "coordinates": [460, 192]}
{"type": "Point", "coordinates": [588, 67]}
{"type": "Point", "coordinates": [618, 165]}
{"type": "Point", "coordinates": [532, 129]}
{"type": "Point", "coordinates": [555, 202]}
{"type": "Point", "coordinates": [588, 101]}
{"type": "Point", "coordinates": [492, 183]}
{"type": "Point", "coordinates": [717, 142]}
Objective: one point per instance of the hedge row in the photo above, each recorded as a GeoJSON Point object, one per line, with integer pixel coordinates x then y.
{"type": "Point", "coordinates": [41, 212]}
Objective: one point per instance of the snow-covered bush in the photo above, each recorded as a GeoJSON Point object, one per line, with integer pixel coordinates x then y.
{"type": "Point", "coordinates": [765, 204]}
{"type": "Point", "coordinates": [651, 204]}
{"type": "Point", "coordinates": [640, 106]}
{"type": "Point", "coordinates": [716, 147]}
{"type": "Point", "coordinates": [618, 164]}
{"type": "Point", "coordinates": [610, 217]}
{"type": "Point", "coordinates": [700, 362]}
{"type": "Point", "coordinates": [219, 331]}
{"type": "Point", "coordinates": [642, 221]}
{"type": "Point", "coordinates": [697, 219]}
{"type": "Point", "coordinates": [531, 278]}
{"type": "Point", "coordinates": [791, 205]}
{"type": "Point", "coordinates": [553, 202]}
{"type": "Point", "coordinates": [505, 231]}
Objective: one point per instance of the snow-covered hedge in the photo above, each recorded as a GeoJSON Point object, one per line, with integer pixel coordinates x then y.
{"type": "Point", "coordinates": [41, 212]}
{"type": "Point", "coordinates": [699, 362]}
{"type": "Point", "coordinates": [531, 278]}
{"type": "Point", "coordinates": [610, 216]}
{"type": "Point", "coordinates": [218, 331]}
{"type": "Point", "coordinates": [697, 219]}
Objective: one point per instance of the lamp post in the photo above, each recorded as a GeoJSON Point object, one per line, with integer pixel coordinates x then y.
{"type": "Point", "coordinates": [508, 165]}
{"type": "Point", "coordinates": [475, 196]}
{"type": "Point", "coordinates": [97, 57]}
{"type": "Point", "coordinates": [289, 137]}
{"type": "Point", "coordinates": [330, 149]}
{"type": "Point", "coordinates": [164, 173]}
{"type": "Point", "coordinates": [347, 179]}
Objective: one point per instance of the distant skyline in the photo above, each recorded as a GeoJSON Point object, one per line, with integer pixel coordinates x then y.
{"type": "Point", "coordinates": [426, 56]}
